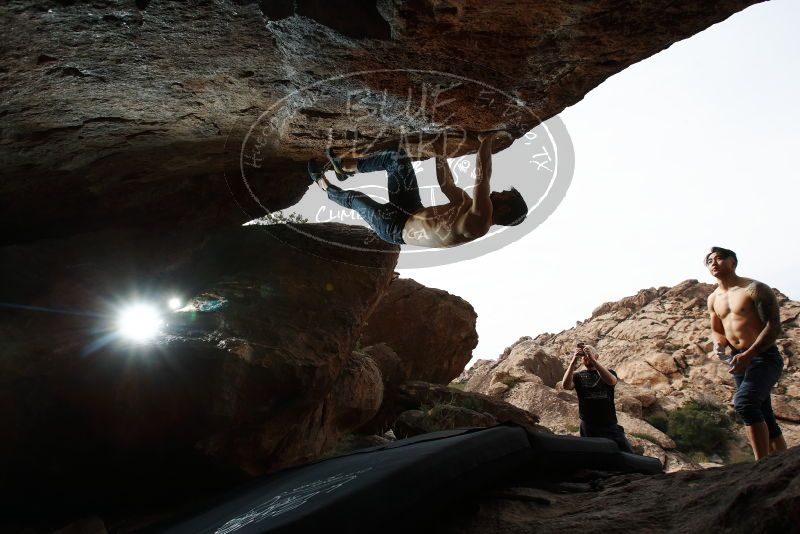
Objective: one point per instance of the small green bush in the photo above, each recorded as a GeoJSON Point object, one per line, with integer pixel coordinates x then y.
{"type": "Point", "coordinates": [470, 403]}
{"type": "Point", "coordinates": [700, 427]}
{"type": "Point", "coordinates": [646, 437]}
{"type": "Point", "coordinates": [698, 457]}
{"type": "Point", "coordinates": [659, 421]}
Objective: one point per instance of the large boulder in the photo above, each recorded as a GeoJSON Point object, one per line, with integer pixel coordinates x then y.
{"type": "Point", "coordinates": [388, 363]}
{"type": "Point", "coordinates": [785, 408]}
{"type": "Point", "coordinates": [557, 411]}
{"type": "Point", "coordinates": [639, 428]}
{"type": "Point", "coordinates": [354, 399]}
{"type": "Point", "coordinates": [415, 393]}
{"type": "Point", "coordinates": [255, 373]}
{"type": "Point", "coordinates": [521, 362]}
{"type": "Point", "coordinates": [431, 331]}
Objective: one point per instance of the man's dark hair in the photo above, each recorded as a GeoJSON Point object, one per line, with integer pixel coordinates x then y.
{"type": "Point", "coordinates": [723, 253]}
{"type": "Point", "coordinates": [518, 209]}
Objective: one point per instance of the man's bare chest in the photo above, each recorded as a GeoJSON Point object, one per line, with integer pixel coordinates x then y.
{"type": "Point", "coordinates": [734, 301]}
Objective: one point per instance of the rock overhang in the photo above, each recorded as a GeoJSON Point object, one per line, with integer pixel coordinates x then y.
{"type": "Point", "coordinates": [120, 117]}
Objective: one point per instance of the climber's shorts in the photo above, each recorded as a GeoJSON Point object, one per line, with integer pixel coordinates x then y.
{"type": "Point", "coordinates": [753, 388]}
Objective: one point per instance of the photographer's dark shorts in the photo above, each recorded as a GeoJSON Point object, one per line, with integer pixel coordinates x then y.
{"type": "Point", "coordinates": [613, 432]}
{"type": "Point", "coordinates": [753, 389]}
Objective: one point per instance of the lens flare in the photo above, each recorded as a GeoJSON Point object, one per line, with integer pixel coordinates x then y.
{"type": "Point", "coordinates": [174, 303]}
{"type": "Point", "coordinates": [139, 322]}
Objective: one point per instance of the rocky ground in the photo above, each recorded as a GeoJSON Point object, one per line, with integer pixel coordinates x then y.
{"type": "Point", "coordinates": [761, 498]}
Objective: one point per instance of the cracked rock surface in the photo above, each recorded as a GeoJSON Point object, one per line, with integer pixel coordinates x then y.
{"type": "Point", "coordinates": [116, 116]}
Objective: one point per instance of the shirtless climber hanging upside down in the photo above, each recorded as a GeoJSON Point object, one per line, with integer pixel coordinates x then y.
{"type": "Point", "coordinates": [404, 220]}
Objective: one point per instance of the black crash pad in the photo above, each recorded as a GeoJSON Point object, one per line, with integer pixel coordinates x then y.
{"type": "Point", "coordinates": [564, 453]}
{"type": "Point", "coordinates": [372, 490]}
{"type": "Point", "coordinates": [393, 487]}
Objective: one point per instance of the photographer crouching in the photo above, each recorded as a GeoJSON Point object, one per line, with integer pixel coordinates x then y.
{"type": "Point", "coordinates": [595, 389]}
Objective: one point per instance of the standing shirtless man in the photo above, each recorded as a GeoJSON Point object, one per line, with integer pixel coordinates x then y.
{"type": "Point", "coordinates": [745, 315]}
{"type": "Point", "coordinates": [404, 220]}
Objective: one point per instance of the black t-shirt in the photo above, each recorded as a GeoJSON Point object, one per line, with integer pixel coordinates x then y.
{"type": "Point", "coordinates": [595, 398]}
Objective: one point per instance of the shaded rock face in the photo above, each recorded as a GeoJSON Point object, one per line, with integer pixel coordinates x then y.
{"type": "Point", "coordinates": [115, 116]}
{"type": "Point", "coordinates": [255, 373]}
{"type": "Point", "coordinates": [414, 394]}
{"type": "Point", "coordinates": [760, 498]}
{"type": "Point", "coordinates": [420, 335]}
{"type": "Point", "coordinates": [354, 399]}
{"type": "Point", "coordinates": [659, 343]}
{"type": "Point", "coordinates": [443, 417]}
{"type": "Point", "coordinates": [431, 331]}
{"type": "Point", "coordinates": [388, 363]}
{"type": "Point", "coordinates": [425, 407]}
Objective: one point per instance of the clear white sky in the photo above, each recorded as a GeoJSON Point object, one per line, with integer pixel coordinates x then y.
{"type": "Point", "coordinates": [696, 146]}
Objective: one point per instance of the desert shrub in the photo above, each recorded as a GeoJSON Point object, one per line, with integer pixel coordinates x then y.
{"type": "Point", "coordinates": [698, 457]}
{"type": "Point", "coordinates": [511, 382]}
{"type": "Point", "coordinates": [278, 217]}
{"type": "Point", "coordinates": [464, 401]}
{"type": "Point", "coordinates": [659, 421]}
{"type": "Point", "coordinates": [646, 437]}
{"type": "Point", "coordinates": [470, 403]}
{"type": "Point", "coordinates": [700, 427]}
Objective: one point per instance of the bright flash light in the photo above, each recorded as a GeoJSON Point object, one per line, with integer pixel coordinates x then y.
{"type": "Point", "coordinates": [139, 322]}
{"type": "Point", "coordinates": [174, 303]}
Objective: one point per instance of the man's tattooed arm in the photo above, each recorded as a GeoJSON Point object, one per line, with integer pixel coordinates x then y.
{"type": "Point", "coordinates": [769, 311]}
